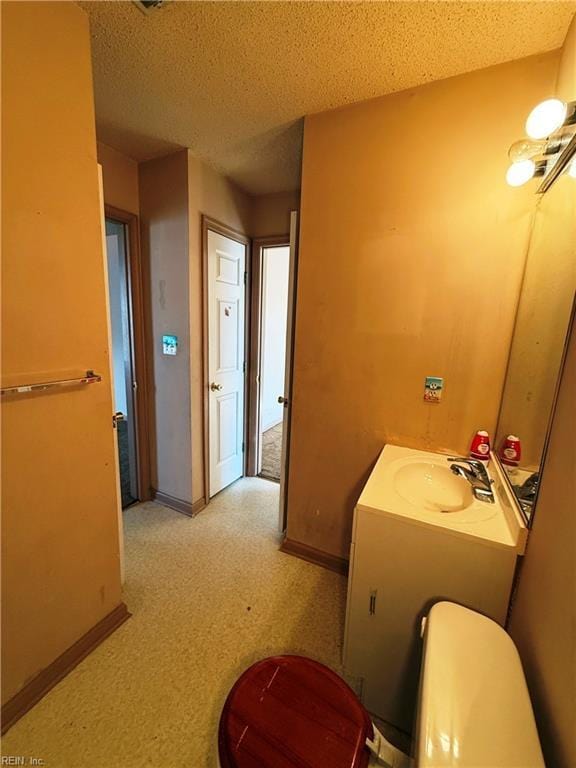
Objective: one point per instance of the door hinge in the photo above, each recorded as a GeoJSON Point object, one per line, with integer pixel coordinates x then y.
{"type": "Point", "coordinates": [244, 367]}
{"type": "Point", "coordinates": [243, 447]}
{"type": "Point", "coordinates": [245, 277]}
{"type": "Point", "coordinates": [372, 609]}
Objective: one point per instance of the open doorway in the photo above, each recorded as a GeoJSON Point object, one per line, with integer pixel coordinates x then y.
{"type": "Point", "coordinates": [271, 339]}
{"type": "Point", "coordinates": [128, 364]}
{"type": "Point", "coordinates": [249, 291]}
{"type": "Point", "coordinates": [275, 271]}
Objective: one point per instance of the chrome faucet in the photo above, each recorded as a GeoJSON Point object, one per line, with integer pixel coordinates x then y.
{"type": "Point", "coordinates": [476, 474]}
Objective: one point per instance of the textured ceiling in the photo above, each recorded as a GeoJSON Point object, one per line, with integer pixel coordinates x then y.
{"type": "Point", "coordinates": [232, 80]}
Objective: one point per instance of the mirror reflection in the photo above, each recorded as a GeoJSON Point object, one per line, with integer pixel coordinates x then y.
{"type": "Point", "coordinates": [536, 352]}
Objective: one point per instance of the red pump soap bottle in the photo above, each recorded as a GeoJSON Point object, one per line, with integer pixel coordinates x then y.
{"type": "Point", "coordinates": [511, 451]}
{"type": "Point", "coordinates": [480, 447]}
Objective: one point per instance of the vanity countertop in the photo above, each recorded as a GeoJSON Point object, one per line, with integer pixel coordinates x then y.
{"type": "Point", "coordinates": [418, 488]}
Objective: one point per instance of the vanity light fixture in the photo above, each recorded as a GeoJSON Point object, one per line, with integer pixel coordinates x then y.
{"type": "Point", "coordinates": [547, 150]}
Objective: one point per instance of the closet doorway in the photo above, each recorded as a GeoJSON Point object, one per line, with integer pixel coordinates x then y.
{"type": "Point", "coordinates": [275, 272]}
{"type": "Point", "coordinates": [128, 354]}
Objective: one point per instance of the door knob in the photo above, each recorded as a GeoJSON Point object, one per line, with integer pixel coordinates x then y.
{"type": "Point", "coordinates": [283, 400]}
{"type": "Point", "coordinates": [215, 387]}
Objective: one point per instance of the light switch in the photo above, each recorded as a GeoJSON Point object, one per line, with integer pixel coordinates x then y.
{"type": "Point", "coordinates": [433, 387]}
{"type": "Point", "coordinates": [169, 345]}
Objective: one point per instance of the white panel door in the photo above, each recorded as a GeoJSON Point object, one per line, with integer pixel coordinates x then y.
{"type": "Point", "coordinates": [226, 265]}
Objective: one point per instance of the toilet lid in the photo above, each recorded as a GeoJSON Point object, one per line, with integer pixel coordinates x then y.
{"type": "Point", "coordinates": [289, 711]}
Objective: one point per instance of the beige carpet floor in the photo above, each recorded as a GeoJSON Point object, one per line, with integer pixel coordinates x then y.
{"type": "Point", "coordinates": [272, 452]}
{"type": "Point", "coordinates": [209, 596]}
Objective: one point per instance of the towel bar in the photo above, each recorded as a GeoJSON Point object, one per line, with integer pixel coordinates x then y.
{"type": "Point", "coordinates": [89, 378]}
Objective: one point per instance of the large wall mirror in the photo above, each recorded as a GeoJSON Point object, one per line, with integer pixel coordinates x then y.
{"type": "Point", "coordinates": [537, 349]}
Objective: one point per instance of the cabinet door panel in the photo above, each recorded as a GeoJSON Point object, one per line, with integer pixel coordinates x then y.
{"type": "Point", "coordinates": [399, 570]}
{"type": "Point", "coordinates": [383, 640]}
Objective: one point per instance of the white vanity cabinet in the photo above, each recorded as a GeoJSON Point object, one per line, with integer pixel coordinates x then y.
{"type": "Point", "coordinates": [400, 565]}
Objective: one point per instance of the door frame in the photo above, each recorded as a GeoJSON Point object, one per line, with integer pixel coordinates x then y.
{"type": "Point", "coordinates": [255, 352]}
{"type": "Point", "coordinates": [136, 313]}
{"type": "Point", "coordinates": [208, 223]}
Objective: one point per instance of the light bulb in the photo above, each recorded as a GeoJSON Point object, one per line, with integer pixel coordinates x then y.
{"type": "Point", "coordinates": [546, 118]}
{"type": "Point", "coordinates": [521, 172]}
{"type": "Point", "coordinates": [525, 149]}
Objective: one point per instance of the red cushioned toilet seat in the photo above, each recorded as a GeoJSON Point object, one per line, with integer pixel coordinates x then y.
{"type": "Point", "coordinates": [289, 711]}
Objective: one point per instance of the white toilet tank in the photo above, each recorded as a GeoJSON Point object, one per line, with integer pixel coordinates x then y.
{"type": "Point", "coordinates": [474, 707]}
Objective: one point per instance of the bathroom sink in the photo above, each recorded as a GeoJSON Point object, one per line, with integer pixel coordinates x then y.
{"type": "Point", "coordinates": [431, 486]}
{"type": "Point", "coordinates": [419, 487]}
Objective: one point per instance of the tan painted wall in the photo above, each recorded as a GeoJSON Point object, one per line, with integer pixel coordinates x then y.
{"type": "Point", "coordinates": [412, 248]}
{"type": "Point", "coordinates": [215, 196]}
{"type": "Point", "coordinates": [60, 557]}
{"type": "Point", "coordinates": [120, 175]}
{"type": "Point", "coordinates": [271, 213]}
{"type": "Point", "coordinates": [543, 622]}
{"type": "Point", "coordinates": [165, 243]}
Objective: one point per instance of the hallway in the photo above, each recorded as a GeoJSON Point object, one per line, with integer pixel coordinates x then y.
{"type": "Point", "coordinates": [209, 596]}
{"type": "Point", "coordinates": [272, 453]}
